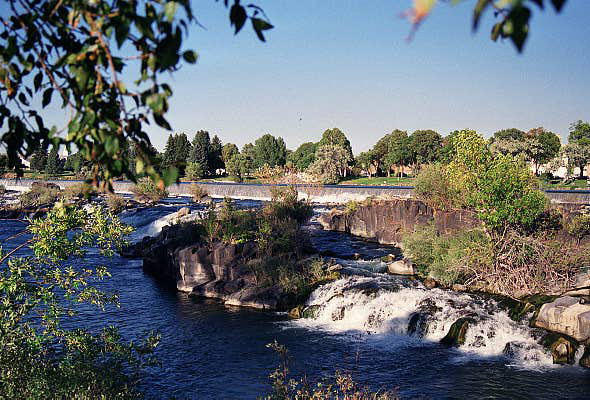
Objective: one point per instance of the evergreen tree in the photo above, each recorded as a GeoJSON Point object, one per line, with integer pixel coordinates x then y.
{"type": "Point", "coordinates": [53, 165]}
{"type": "Point", "coordinates": [39, 160]}
{"type": "Point", "coordinates": [201, 150]}
{"type": "Point", "coordinates": [270, 150]}
{"type": "Point", "coordinates": [249, 158]}
{"type": "Point", "coordinates": [215, 159]}
{"type": "Point", "coordinates": [176, 152]}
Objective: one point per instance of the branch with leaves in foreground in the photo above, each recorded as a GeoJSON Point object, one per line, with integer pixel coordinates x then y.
{"type": "Point", "coordinates": [41, 355]}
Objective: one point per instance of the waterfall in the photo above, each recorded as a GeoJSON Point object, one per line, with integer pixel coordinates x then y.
{"type": "Point", "coordinates": [392, 307]}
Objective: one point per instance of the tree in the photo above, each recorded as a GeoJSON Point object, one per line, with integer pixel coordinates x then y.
{"type": "Point", "coordinates": [215, 160]}
{"type": "Point", "coordinates": [425, 146]}
{"type": "Point", "coordinates": [304, 156]}
{"type": "Point", "coordinates": [39, 160]}
{"type": "Point", "coordinates": [335, 136]}
{"type": "Point", "coordinates": [194, 171]}
{"type": "Point", "coordinates": [249, 153]}
{"type": "Point", "coordinates": [365, 160]}
{"type": "Point", "coordinates": [53, 166]}
{"type": "Point", "coordinates": [176, 152]}
{"type": "Point", "coordinates": [270, 150]}
{"type": "Point", "coordinates": [578, 149]}
{"type": "Point", "coordinates": [330, 164]}
{"type": "Point", "coordinates": [238, 166]}
{"type": "Point", "coordinates": [228, 151]}
{"type": "Point", "coordinates": [398, 151]}
{"type": "Point", "coordinates": [74, 54]}
{"type": "Point", "coordinates": [542, 147]}
{"type": "Point", "coordinates": [201, 151]}
{"type": "Point", "coordinates": [448, 148]}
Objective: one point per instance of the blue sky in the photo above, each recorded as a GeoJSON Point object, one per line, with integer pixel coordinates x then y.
{"type": "Point", "coordinates": [346, 64]}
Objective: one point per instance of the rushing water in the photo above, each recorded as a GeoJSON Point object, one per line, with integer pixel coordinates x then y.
{"type": "Point", "coordinates": [209, 351]}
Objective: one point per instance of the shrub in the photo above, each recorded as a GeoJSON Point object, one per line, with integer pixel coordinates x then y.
{"type": "Point", "coordinates": [146, 191]}
{"type": "Point", "coordinates": [40, 194]}
{"type": "Point", "coordinates": [579, 226]}
{"type": "Point", "coordinates": [433, 187]}
{"type": "Point", "coordinates": [351, 207]}
{"type": "Point", "coordinates": [198, 193]}
{"type": "Point", "coordinates": [285, 204]}
{"type": "Point", "coordinates": [115, 202]}
{"type": "Point", "coordinates": [81, 190]}
{"type": "Point", "coordinates": [194, 171]}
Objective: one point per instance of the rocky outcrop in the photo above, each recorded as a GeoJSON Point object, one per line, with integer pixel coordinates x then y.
{"type": "Point", "coordinates": [401, 267]}
{"type": "Point", "coordinates": [219, 270]}
{"type": "Point", "coordinates": [566, 315]}
{"type": "Point", "coordinates": [385, 221]}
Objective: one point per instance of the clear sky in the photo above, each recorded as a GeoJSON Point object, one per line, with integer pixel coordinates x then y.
{"type": "Point", "coordinates": [346, 64]}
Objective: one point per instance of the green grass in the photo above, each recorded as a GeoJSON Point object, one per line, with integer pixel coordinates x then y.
{"type": "Point", "coordinates": [576, 184]}
{"type": "Point", "coordinates": [381, 180]}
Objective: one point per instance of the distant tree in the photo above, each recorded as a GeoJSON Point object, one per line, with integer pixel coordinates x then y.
{"type": "Point", "coordinates": [578, 149]}
{"type": "Point", "coordinates": [194, 171]}
{"type": "Point", "coordinates": [398, 151]}
{"type": "Point", "coordinates": [228, 151]}
{"type": "Point", "coordinates": [447, 150]}
{"type": "Point", "coordinates": [510, 133]}
{"type": "Point", "coordinates": [336, 137]}
{"type": "Point", "coordinates": [249, 158]}
{"type": "Point", "coordinates": [201, 151]}
{"type": "Point", "coordinates": [238, 166]}
{"type": "Point", "coordinates": [304, 156]}
{"type": "Point", "coordinates": [510, 141]}
{"type": "Point", "coordinates": [379, 152]}
{"type": "Point", "coordinates": [542, 146]}
{"type": "Point", "coordinates": [425, 146]}
{"type": "Point", "coordinates": [215, 159]}
{"type": "Point", "coordinates": [365, 161]}
{"type": "Point", "coordinates": [53, 165]}
{"type": "Point", "coordinates": [39, 159]}
{"type": "Point", "coordinates": [176, 152]}
{"type": "Point", "coordinates": [270, 150]}
{"type": "Point", "coordinates": [330, 164]}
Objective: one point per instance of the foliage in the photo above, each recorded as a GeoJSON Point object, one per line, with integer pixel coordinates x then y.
{"type": "Point", "coordinates": [115, 202]}
{"type": "Point", "coordinates": [237, 166]}
{"type": "Point", "coordinates": [398, 150]}
{"type": "Point", "coordinates": [578, 149]}
{"type": "Point", "coordinates": [425, 146]}
{"type": "Point", "coordinates": [147, 191]}
{"type": "Point", "coordinates": [228, 151]}
{"type": "Point", "coordinates": [351, 207]}
{"type": "Point", "coordinates": [514, 16]}
{"type": "Point", "coordinates": [304, 156]}
{"type": "Point", "coordinates": [81, 190]}
{"type": "Point", "coordinates": [285, 204]}
{"type": "Point", "coordinates": [579, 226]}
{"type": "Point", "coordinates": [53, 165]}
{"type": "Point", "coordinates": [198, 193]}
{"type": "Point", "coordinates": [39, 160]}
{"type": "Point", "coordinates": [330, 164]}
{"type": "Point", "coordinates": [434, 187]}
{"type": "Point", "coordinates": [269, 150]}
{"type": "Point", "coordinates": [336, 137]}
{"type": "Point", "coordinates": [194, 171]}
{"type": "Point", "coordinates": [2, 190]}
{"type": "Point", "coordinates": [229, 225]}
{"type": "Point", "coordinates": [75, 54]}
{"type": "Point", "coordinates": [176, 152]}
{"type": "Point", "coordinates": [215, 160]}
{"type": "Point", "coordinates": [341, 386]}
{"type": "Point", "coordinates": [201, 151]}
{"type": "Point", "coordinates": [500, 188]}
{"type": "Point", "coordinates": [543, 146]}
{"type": "Point", "coordinates": [40, 357]}
{"type": "Point", "coordinates": [40, 194]}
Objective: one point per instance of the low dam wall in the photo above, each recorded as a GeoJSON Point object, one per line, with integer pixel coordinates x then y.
{"type": "Point", "coordinates": [315, 193]}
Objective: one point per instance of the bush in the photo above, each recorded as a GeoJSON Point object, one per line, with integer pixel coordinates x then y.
{"type": "Point", "coordinates": [115, 202]}
{"type": "Point", "coordinates": [433, 187]}
{"type": "Point", "coordinates": [351, 207]}
{"type": "Point", "coordinates": [579, 226]}
{"type": "Point", "coordinates": [81, 190]}
{"type": "Point", "coordinates": [285, 204]}
{"type": "Point", "coordinates": [198, 193]}
{"type": "Point", "coordinates": [194, 171]}
{"type": "Point", "coordinates": [146, 191]}
{"type": "Point", "coordinates": [40, 194]}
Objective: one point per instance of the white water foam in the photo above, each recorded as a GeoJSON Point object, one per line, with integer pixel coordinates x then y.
{"type": "Point", "coordinates": [385, 306]}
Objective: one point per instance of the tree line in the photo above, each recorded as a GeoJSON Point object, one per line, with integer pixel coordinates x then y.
{"type": "Point", "coordinates": [331, 158]}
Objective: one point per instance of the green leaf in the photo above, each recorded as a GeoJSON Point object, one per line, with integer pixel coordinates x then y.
{"type": "Point", "coordinates": [121, 31]}
{"type": "Point", "coordinates": [237, 17]}
{"type": "Point", "coordinates": [259, 26]}
{"type": "Point", "coordinates": [190, 56]}
{"type": "Point", "coordinates": [478, 11]}
{"type": "Point", "coordinates": [47, 97]}
{"type": "Point", "coordinates": [37, 80]}
{"type": "Point", "coordinates": [558, 4]}
{"type": "Point", "coordinates": [162, 122]}
{"type": "Point", "coordinates": [170, 10]}
{"type": "Point", "coordinates": [496, 30]}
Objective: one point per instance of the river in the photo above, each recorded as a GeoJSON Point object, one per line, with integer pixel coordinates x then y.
{"type": "Point", "coordinates": [209, 351]}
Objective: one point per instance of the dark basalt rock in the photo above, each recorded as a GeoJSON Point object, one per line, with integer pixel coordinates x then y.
{"type": "Point", "coordinates": [563, 348]}
{"type": "Point", "coordinates": [456, 335]}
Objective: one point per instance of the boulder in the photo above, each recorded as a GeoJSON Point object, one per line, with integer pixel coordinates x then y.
{"type": "Point", "coordinates": [430, 283]}
{"type": "Point", "coordinates": [582, 285]}
{"type": "Point", "coordinates": [182, 212]}
{"type": "Point", "coordinates": [566, 315]}
{"type": "Point", "coordinates": [456, 335]}
{"type": "Point", "coordinates": [194, 267]}
{"type": "Point", "coordinates": [401, 267]}
{"type": "Point", "coordinates": [585, 360]}
{"type": "Point", "coordinates": [265, 298]}
{"type": "Point", "coordinates": [563, 349]}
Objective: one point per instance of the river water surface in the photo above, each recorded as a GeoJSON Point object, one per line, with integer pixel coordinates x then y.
{"type": "Point", "coordinates": [209, 351]}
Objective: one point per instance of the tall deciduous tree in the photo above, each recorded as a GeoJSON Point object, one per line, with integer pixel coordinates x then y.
{"type": "Point", "coordinates": [398, 151]}
{"type": "Point", "coordinates": [425, 146]}
{"type": "Point", "coordinates": [304, 156]}
{"type": "Point", "coordinates": [228, 151]}
{"type": "Point", "coordinates": [330, 164]}
{"type": "Point", "coordinates": [542, 146]}
{"type": "Point", "coordinates": [39, 160]}
{"type": "Point", "coordinates": [270, 150]}
{"type": "Point", "coordinates": [336, 137]}
{"type": "Point", "coordinates": [578, 148]}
